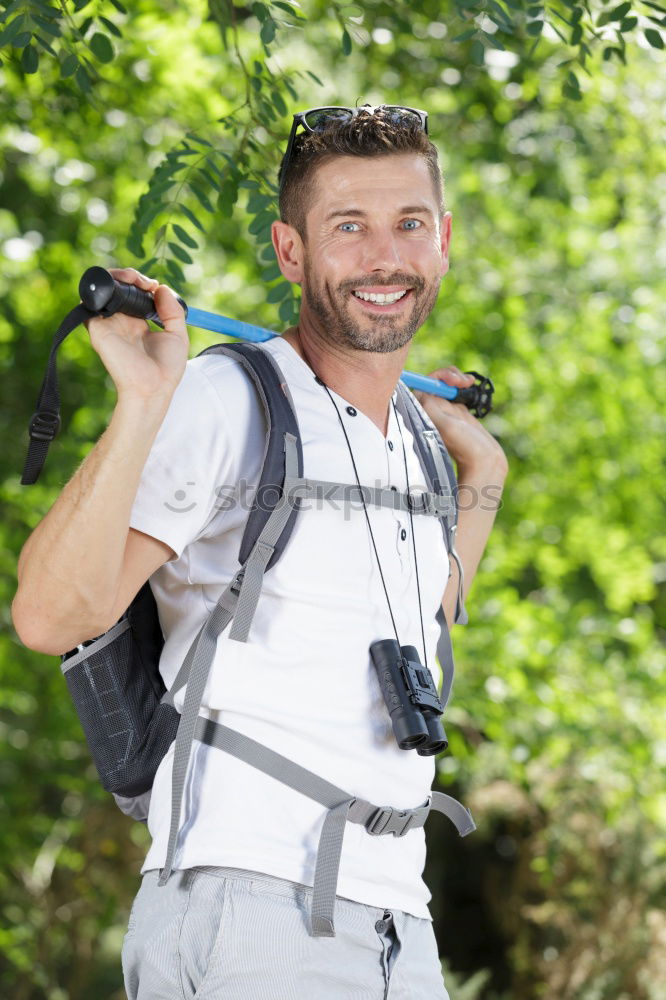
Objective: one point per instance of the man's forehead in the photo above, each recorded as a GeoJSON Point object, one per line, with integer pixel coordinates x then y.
{"type": "Point", "coordinates": [346, 182]}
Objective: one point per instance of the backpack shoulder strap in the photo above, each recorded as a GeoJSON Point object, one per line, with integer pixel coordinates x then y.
{"type": "Point", "coordinates": [441, 478]}
{"type": "Point", "coordinates": [273, 392]}
{"type": "Point", "coordinates": [435, 460]}
{"type": "Point", "coordinates": [440, 475]}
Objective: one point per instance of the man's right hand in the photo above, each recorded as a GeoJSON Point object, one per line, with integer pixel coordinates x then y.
{"type": "Point", "coordinates": [143, 363]}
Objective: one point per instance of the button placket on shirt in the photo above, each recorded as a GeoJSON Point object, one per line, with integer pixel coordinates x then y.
{"type": "Point", "coordinates": [395, 470]}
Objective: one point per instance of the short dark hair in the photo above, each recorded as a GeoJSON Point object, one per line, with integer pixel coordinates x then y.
{"type": "Point", "coordinates": [365, 135]}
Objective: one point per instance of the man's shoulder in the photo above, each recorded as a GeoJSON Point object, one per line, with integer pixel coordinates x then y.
{"type": "Point", "coordinates": [225, 374]}
{"type": "Point", "coordinates": [221, 373]}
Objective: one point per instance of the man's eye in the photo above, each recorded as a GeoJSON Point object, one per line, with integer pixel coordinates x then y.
{"type": "Point", "coordinates": [347, 227]}
{"type": "Point", "coordinates": [412, 223]}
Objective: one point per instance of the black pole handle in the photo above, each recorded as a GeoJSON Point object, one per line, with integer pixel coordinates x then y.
{"type": "Point", "coordinates": [104, 295]}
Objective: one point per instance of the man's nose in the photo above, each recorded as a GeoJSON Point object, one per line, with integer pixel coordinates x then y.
{"type": "Point", "coordinates": [381, 252]}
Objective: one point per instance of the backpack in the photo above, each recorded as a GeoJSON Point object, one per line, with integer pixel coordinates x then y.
{"type": "Point", "coordinates": [127, 714]}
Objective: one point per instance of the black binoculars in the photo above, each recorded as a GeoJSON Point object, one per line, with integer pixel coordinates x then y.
{"type": "Point", "coordinates": [411, 697]}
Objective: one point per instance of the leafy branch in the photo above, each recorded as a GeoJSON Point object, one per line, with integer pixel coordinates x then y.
{"type": "Point", "coordinates": [205, 171]}
{"type": "Point", "coordinates": [207, 168]}
{"type": "Point", "coordinates": [78, 42]}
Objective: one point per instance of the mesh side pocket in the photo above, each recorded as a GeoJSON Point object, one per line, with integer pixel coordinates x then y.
{"type": "Point", "coordinates": [117, 698]}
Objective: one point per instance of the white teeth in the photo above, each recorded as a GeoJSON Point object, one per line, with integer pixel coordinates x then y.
{"type": "Point", "coordinates": [382, 299]}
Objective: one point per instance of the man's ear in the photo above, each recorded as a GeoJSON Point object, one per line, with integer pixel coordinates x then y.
{"type": "Point", "coordinates": [445, 237]}
{"type": "Point", "coordinates": [289, 251]}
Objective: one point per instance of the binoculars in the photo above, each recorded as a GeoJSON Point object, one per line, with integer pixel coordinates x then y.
{"type": "Point", "coordinates": [411, 697]}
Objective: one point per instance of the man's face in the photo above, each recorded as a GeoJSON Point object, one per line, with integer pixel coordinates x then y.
{"type": "Point", "coordinates": [373, 230]}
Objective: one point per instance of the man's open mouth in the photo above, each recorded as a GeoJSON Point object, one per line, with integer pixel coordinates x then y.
{"type": "Point", "coordinates": [382, 299]}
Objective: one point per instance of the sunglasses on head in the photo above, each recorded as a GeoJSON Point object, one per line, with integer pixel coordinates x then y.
{"type": "Point", "coordinates": [317, 119]}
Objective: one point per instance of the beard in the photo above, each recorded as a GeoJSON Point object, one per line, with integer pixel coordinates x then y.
{"type": "Point", "coordinates": [377, 333]}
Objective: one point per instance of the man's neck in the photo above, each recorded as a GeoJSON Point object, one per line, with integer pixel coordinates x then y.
{"type": "Point", "coordinates": [365, 378]}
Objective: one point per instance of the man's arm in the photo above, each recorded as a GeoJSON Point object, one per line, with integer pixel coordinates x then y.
{"type": "Point", "coordinates": [481, 470]}
{"type": "Point", "coordinates": [82, 565]}
{"type": "Point", "coordinates": [479, 496]}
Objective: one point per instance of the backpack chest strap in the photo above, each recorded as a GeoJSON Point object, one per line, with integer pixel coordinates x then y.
{"type": "Point", "coordinates": [416, 502]}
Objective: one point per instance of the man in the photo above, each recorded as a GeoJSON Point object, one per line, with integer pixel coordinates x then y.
{"type": "Point", "coordinates": [363, 231]}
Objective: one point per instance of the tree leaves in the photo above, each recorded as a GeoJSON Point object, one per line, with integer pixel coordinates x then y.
{"type": "Point", "coordinates": [33, 22]}
{"type": "Point", "coordinates": [465, 35]}
{"type": "Point", "coordinates": [184, 236]}
{"type": "Point", "coordinates": [268, 31]}
{"type": "Point", "coordinates": [101, 46]}
{"type": "Point", "coordinates": [228, 195]}
{"type": "Point", "coordinates": [477, 52]}
{"type": "Point", "coordinates": [571, 87]}
{"type": "Point", "coordinates": [211, 190]}
{"type": "Point", "coordinates": [33, 25]}
{"type": "Point", "coordinates": [179, 252]}
{"type": "Point", "coordinates": [189, 214]}
{"type": "Point", "coordinates": [654, 38]}
{"type": "Point", "coordinates": [278, 292]}
{"type": "Point", "coordinates": [30, 59]}
{"type": "Point", "coordinates": [68, 65]}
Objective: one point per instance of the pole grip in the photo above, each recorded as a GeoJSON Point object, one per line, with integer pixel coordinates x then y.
{"type": "Point", "coordinates": [104, 295]}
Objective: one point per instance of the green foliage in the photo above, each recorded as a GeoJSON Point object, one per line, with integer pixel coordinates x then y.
{"type": "Point", "coordinates": [551, 127]}
{"type": "Point", "coordinates": [75, 36]}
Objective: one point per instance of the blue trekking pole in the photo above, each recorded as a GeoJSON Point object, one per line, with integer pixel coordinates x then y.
{"type": "Point", "coordinates": [103, 295]}
{"type": "Point", "coordinates": [478, 397]}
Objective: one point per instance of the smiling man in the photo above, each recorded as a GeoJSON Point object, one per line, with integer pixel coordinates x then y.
{"type": "Point", "coordinates": [364, 232]}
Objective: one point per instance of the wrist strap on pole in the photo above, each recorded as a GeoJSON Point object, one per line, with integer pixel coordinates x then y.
{"type": "Point", "coordinates": [45, 421]}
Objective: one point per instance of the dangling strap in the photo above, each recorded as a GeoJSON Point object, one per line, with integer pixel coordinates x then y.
{"type": "Point", "coordinates": [343, 808]}
{"type": "Point", "coordinates": [239, 600]}
{"type": "Point", "coordinates": [45, 421]}
{"type": "Point", "coordinates": [445, 657]}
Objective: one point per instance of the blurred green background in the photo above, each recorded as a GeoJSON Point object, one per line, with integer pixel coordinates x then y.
{"type": "Point", "coordinates": [556, 178]}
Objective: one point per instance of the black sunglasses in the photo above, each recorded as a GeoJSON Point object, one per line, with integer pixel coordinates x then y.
{"type": "Point", "coordinates": [317, 119]}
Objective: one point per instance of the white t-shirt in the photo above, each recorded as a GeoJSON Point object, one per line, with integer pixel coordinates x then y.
{"type": "Point", "coordinates": [304, 684]}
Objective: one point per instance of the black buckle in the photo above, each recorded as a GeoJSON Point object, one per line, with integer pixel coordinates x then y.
{"type": "Point", "coordinates": [388, 820]}
{"type": "Point", "coordinates": [44, 425]}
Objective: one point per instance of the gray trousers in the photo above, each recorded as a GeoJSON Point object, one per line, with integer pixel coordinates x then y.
{"type": "Point", "coordinates": [230, 934]}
